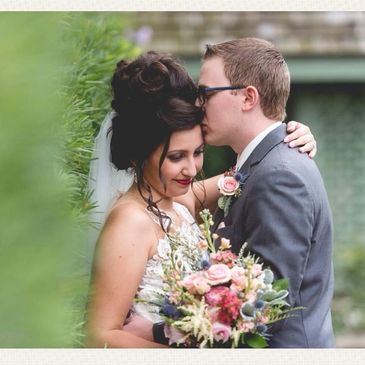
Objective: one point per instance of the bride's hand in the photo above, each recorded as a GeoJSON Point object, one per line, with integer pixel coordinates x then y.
{"type": "Point", "coordinates": [300, 135]}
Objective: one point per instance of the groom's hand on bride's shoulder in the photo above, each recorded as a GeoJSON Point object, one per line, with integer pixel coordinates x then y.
{"type": "Point", "coordinates": [139, 326]}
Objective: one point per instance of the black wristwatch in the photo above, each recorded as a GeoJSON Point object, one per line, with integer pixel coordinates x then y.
{"type": "Point", "coordinates": [159, 334]}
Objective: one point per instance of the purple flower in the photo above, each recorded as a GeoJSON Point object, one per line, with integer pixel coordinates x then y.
{"type": "Point", "coordinates": [241, 178]}
{"type": "Point", "coordinates": [205, 264]}
{"type": "Point", "coordinates": [171, 311]}
{"type": "Point", "coordinates": [142, 36]}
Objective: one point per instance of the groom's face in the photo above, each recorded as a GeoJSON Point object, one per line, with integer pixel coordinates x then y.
{"type": "Point", "coordinates": [222, 108]}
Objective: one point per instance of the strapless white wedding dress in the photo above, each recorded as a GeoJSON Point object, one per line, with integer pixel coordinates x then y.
{"type": "Point", "coordinates": [151, 286]}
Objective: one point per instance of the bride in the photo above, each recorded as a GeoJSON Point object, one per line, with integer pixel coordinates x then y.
{"type": "Point", "coordinates": [157, 147]}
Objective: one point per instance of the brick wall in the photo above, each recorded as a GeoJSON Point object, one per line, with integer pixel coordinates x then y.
{"type": "Point", "coordinates": [295, 33]}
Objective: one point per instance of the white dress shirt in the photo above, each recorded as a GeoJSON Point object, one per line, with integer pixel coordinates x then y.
{"type": "Point", "coordinates": [245, 154]}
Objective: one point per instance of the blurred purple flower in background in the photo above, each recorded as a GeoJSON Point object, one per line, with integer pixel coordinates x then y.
{"type": "Point", "coordinates": [142, 36]}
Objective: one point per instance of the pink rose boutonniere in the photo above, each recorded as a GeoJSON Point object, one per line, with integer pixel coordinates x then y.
{"type": "Point", "coordinates": [229, 186]}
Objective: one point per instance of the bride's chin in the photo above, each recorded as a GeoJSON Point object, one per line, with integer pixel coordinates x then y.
{"type": "Point", "coordinates": [170, 193]}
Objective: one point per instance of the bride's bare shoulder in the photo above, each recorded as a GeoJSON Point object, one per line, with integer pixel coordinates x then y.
{"type": "Point", "coordinates": [129, 213]}
{"type": "Point", "coordinates": [127, 237]}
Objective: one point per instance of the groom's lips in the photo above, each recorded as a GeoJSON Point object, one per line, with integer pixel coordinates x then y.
{"type": "Point", "coordinates": [184, 182]}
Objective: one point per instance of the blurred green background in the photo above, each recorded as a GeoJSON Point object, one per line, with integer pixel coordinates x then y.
{"type": "Point", "coordinates": [54, 93]}
{"type": "Point", "coordinates": [37, 229]}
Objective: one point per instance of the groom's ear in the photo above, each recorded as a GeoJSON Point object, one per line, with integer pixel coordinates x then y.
{"type": "Point", "coordinates": [250, 98]}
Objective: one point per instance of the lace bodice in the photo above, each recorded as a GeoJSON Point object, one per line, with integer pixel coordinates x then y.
{"type": "Point", "coordinates": [151, 284]}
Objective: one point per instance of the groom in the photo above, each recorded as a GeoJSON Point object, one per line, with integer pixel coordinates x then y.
{"type": "Point", "coordinates": [283, 212]}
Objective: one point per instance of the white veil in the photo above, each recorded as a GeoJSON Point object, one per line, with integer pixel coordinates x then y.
{"type": "Point", "coordinates": [105, 181]}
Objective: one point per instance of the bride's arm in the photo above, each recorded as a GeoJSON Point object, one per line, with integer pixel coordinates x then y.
{"type": "Point", "coordinates": [122, 252]}
{"type": "Point", "coordinates": [205, 194]}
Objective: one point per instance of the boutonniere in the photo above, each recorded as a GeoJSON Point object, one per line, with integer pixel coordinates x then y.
{"type": "Point", "coordinates": [230, 186]}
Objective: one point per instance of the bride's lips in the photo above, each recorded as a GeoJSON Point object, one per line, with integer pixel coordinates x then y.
{"type": "Point", "coordinates": [184, 182]}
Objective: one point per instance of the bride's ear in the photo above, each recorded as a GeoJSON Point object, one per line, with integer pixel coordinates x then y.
{"type": "Point", "coordinates": [250, 98]}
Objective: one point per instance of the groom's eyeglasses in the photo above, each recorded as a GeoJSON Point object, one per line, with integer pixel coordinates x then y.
{"type": "Point", "coordinates": [205, 92]}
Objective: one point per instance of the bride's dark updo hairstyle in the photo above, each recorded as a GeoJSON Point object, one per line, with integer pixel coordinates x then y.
{"type": "Point", "coordinates": [153, 96]}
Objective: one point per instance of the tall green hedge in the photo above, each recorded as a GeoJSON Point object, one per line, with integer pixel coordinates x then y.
{"type": "Point", "coordinates": [94, 44]}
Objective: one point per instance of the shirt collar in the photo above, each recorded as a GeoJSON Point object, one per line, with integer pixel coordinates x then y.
{"type": "Point", "coordinates": [245, 154]}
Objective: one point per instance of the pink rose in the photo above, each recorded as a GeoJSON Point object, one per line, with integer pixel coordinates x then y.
{"type": "Point", "coordinates": [221, 332]}
{"type": "Point", "coordinates": [215, 295]}
{"type": "Point", "coordinates": [218, 274]}
{"type": "Point", "coordinates": [228, 185]}
{"type": "Point", "coordinates": [239, 278]}
{"type": "Point", "coordinates": [196, 283]}
{"type": "Point", "coordinates": [173, 334]}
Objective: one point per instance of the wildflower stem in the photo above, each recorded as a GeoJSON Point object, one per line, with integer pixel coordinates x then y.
{"type": "Point", "coordinates": [207, 223]}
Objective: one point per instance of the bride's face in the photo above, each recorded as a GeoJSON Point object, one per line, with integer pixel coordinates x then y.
{"type": "Point", "coordinates": [184, 159]}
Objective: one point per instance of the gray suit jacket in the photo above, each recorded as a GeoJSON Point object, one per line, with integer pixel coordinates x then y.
{"type": "Point", "coordinates": [284, 215]}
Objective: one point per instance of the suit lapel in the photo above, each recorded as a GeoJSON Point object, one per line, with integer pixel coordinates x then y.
{"type": "Point", "coordinates": [217, 218]}
{"type": "Point", "coordinates": [267, 144]}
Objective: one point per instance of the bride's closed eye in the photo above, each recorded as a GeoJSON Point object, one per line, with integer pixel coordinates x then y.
{"type": "Point", "coordinates": [175, 157]}
{"type": "Point", "coordinates": [178, 155]}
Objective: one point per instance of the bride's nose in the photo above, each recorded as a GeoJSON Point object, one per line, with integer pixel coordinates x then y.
{"type": "Point", "coordinates": [190, 168]}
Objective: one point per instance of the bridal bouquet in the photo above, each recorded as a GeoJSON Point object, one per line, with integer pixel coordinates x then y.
{"type": "Point", "coordinates": [223, 299]}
